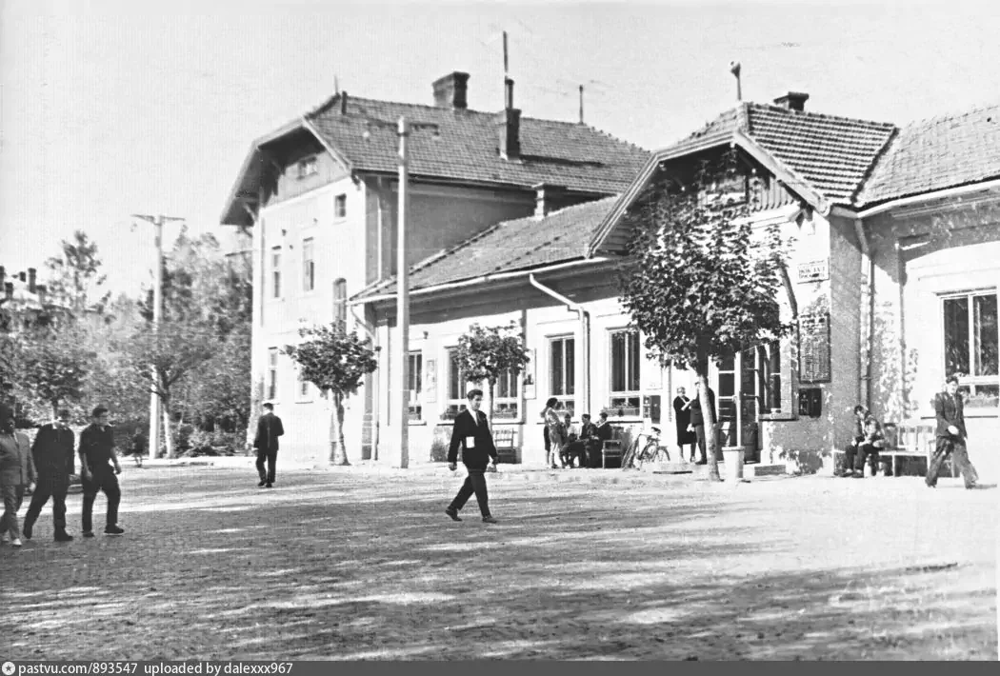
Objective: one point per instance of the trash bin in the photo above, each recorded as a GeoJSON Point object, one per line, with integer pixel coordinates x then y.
{"type": "Point", "coordinates": [733, 456]}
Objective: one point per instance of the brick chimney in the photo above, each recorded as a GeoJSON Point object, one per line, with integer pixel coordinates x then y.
{"type": "Point", "coordinates": [43, 292]}
{"type": "Point", "coordinates": [792, 101]}
{"type": "Point", "coordinates": [31, 280]}
{"type": "Point", "coordinates": [509, 125]}
{"type": "Point", "coordinates": [3, 276]}
{"type": "Point", "coordinates": [8, 288]}
{"type": "Point", "coordinates": [546, 196]}
{"type": "Point", "coordinates": [450, 91]}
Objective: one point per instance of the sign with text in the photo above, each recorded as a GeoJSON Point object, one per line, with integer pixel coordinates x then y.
{"type": "Point", "coordinates": [814, 271]}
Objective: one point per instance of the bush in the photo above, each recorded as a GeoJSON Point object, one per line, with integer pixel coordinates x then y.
{"type": "Point", "coordinates": [217, 443]}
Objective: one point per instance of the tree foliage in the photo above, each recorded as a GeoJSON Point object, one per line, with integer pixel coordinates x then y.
{"type": "Point", "coordinates": [698, 281]}
{"type": "Point", "coordinates": [489, 353]}
{"type": "Point", "coordinates": [54, 366]}
{"type": "Point", "coordinates": [337, 363]}
{"type": "Point", "coordinates": [75, 281]}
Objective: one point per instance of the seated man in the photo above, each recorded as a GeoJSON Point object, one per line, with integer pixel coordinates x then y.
{"type": "Point", "coordinates": [571, 439]}
{"type": "Point", "coordinates": [850, 453]}
{"type": "Point", "coordinates": [579, 445]}
{"type": "Point", "coordinates": [873, 442]}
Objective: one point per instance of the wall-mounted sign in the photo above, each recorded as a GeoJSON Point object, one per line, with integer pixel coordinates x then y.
{"type": "Point", "coordinates": [814, 271]}
{"type": "Point", "coordinates": [814, 348]}
{"type": "Point", "coordinates": [430, 381]}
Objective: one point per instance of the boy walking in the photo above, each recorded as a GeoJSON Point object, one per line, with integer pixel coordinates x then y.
{"type": "Point", "coordinates": [472, 432]}
{"type": "Point", "coordinates": [951, 435]}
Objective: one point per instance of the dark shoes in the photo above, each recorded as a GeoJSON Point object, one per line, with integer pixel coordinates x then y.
{"type": "Point", "coordinates": [88, 533]}
{"type": "Point", "coordinates": [113, 530]}
{"type": "Point", "coordinates": [26, 530]}
{"type": "Point", "coordinates": [489, 519]}
{"type": "Point", "coordinates": [65, 537]}
{"type": "Point", "coordinates": [268, 485]}
{"type": "Point", "coordinates": [453, 513]}
{"type": "Point", "coordinates": [260, 484]}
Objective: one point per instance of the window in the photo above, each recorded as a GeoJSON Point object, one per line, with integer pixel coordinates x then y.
{"type": "Point", "coordinates": [308, 265]}
{"type": "Point", "coordinates": [625, 373]}
{"type": "Point", "coordinates": [340, 206]}
{"type": "Point", "coordinates": [307, 166]}
{"type": "Point", "coordinates": [272, 374]}
{"type": "Point", "coordinates": [457, 387]}
{"type": "Point", "coordinates": [276, 271]}
{"type": "Point", "coordinates": [340, 303]}
{"type": "Point", "coordinates": [303, 389]}
{"type": "Point", "coordinates": [970, 346]}
{"type": "Point", "coordinates": [505, 405]}
{"type": "Point", "coordinates": [562, 371]}
{"type": "Point", "coordinates": [414, 380]}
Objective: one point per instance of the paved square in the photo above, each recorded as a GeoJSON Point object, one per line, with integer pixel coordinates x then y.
{"type": "Point", "coordinates": [353, 564]}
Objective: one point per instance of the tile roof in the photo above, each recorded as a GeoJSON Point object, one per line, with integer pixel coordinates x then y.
{"type": "Point", "coordinates": [576, 156]}
{"type": "Point", "coordinates": [941, 152]}
{"type": "Point", "coordinates": [520, 244]}
{"type": "Point", "coordinates": [833, 154]}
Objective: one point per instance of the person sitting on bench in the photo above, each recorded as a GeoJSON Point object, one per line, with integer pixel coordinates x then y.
{"type": "Point", "coordinates": [851, 451]}
{"type": "Point", "coordinates": [580, 447]}
{"type": "Point", "coordinates": [603, 432]}
{"type": "Point", "coordinates": [869, 447]}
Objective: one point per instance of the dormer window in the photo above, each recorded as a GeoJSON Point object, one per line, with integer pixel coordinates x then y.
{"type": "Point", "coordinates": [307, 166]}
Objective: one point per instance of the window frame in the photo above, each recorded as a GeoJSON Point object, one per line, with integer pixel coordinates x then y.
{"type": "Point", "coordinates": [615, 396]}
{"type": "Point", "coordinates": [276, 272]}
{"type": "Point", "coordinates": [507, 406]}
{"type": "Point", "coordinates": [415, 362]}
{"type": "Point", "coordinates": [340, 303]}
{"type": "Point", "coordinates": [340, 205]}
{"type": "Point", "coordinates": [452, 405]}
{"type": "Point", "coordinates": [568, 380]}
{"type": "Point", "coordinates": [309, 264]}
{"type": "Point", "coordinates": [271, 386]}
{"type": "Point", "coordinates": [973, 386]}
{"type": "Point", "coordinates": [307, 166]}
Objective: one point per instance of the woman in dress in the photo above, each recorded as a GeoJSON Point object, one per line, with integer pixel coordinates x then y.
{"type": "Point", "coordinates": [554, 425]}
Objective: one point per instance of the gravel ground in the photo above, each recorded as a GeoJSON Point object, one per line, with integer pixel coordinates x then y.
{"type": "Point", "coordinates": [357, 565]}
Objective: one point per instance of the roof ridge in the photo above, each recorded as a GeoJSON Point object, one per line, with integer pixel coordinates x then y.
{"type": "Point", "coordinates": [825, 116]}
{"type": "Point", "coordinates": [607, 134]}
{"type": "Point", "coordinates": [882, 153]}
{"type": "Point", "coordinates": [938, 119]}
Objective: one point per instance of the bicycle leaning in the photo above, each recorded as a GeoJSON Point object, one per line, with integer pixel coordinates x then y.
{"type": "Point", "coordinates": [650, 450]}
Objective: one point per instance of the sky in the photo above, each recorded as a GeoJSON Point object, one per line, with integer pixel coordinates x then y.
{"type": "Point", "coordinates": [109, 108]}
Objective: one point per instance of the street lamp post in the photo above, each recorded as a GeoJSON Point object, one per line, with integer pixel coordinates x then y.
{"type": "Point", "coordinates": [403, 298]}
{"type": "Point", "coordinates": [154, 396]}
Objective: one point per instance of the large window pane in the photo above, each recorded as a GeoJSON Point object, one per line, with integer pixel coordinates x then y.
{"type": "Point", "coordinates": [956, 335]}
{"type": "Point", "coordinates": [985, 335]}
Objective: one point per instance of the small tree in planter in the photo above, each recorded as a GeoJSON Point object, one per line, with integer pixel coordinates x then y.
{"type": "Point", "coordinates": [489, 354]}
{"type": "Point", "coordinates": [336, 362]}
{"type": "Point", "coordinates": [697, 282]}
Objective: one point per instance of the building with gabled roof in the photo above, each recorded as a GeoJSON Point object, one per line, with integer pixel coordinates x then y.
{"type": "Point", "coordinates": [894, 277]}
{"type": "Point", "coordinates": [320, 197]}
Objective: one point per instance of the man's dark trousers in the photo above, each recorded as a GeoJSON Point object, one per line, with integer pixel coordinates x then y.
{"type": "Point", "coordinates": [474, 483]}
{"type": "Point", "coordinates": [56, 488]}
{"type": "Point", "coordinates": [960, 456]}
{"type": "Point", "coordinates": [271, 457]}
{"type": "Point", "coordinates": [699, 431]}
{"type": "Point", "coordinates": [103, 479]}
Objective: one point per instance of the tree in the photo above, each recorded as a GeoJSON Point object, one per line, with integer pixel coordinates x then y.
{"type": "Point", "coordinates": [336, 362]}
{"type": "Point", "coordinates": [698, 282]}
{"type": "Point", "coordinates": [218, 394]}
{"type": "Point", "coordinates": [75, 277]}
{"type": "Point", "coordinates": [163, 358]}
{"type": "Point", "coordinates": [490, 354]}
{"type": "Point", "coordinates": [54, 366]}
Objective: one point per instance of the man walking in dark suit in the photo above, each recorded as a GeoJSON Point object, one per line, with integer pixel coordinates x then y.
{"type": "Point", "coordinates": [472, 433]}
{"type": "Point", "coordinates": [53, 455]}
{"type": "Point", "coordinates": [951, 435]}
{"type": "Point", "coordinates": [698, 419]}
{"type": "Point", "coordinates": [266, 442]}
{"type": "Point", "coordinates": [97, 450]}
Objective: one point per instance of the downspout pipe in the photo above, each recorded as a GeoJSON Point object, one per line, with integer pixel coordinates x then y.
{"type": "Point", "coordinates": [867, 315]}
{"type": "Point", "coordinates": [584, 317]}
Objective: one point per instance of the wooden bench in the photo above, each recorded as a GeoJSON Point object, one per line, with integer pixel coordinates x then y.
{"type": "Point", "coordinates": [504, 440]}
{"type": "Point", "coordinates": [908, 440]}
{"type": "Point", "coordinates": [613, 448]}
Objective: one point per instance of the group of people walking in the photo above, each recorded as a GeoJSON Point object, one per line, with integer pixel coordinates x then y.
{"type": "Point", "coordinates": [47, 464]}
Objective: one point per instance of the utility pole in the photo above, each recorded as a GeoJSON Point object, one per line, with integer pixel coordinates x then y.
{"type": "Point", "coordinates": [154, 397]}
{"type": "Point", "coordinates": [403, 298]}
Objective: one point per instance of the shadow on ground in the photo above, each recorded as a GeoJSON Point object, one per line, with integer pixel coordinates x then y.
{"type": "Point", "coordinates": [334, 567]}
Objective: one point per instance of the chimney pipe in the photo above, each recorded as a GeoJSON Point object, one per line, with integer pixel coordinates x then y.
{"type": "Point", "coordinates": [343, 103]}
{"type": "Point", "coordinates": [792, 101]}
{"type": "Point", "coordinates": [508, 93]}
{"type": "Point", "coordinates": [546, 195]}
{"type": "Point", "coordinates": [451, 91]}
{"type": "Point", "coordinates": [22, 276]}
{"type": "Point", "coordinates": [3, 276]}
{"type": "Point", "coordinates": [43, 291]}
{"type": "Point", "coordinates": [31, 280]}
